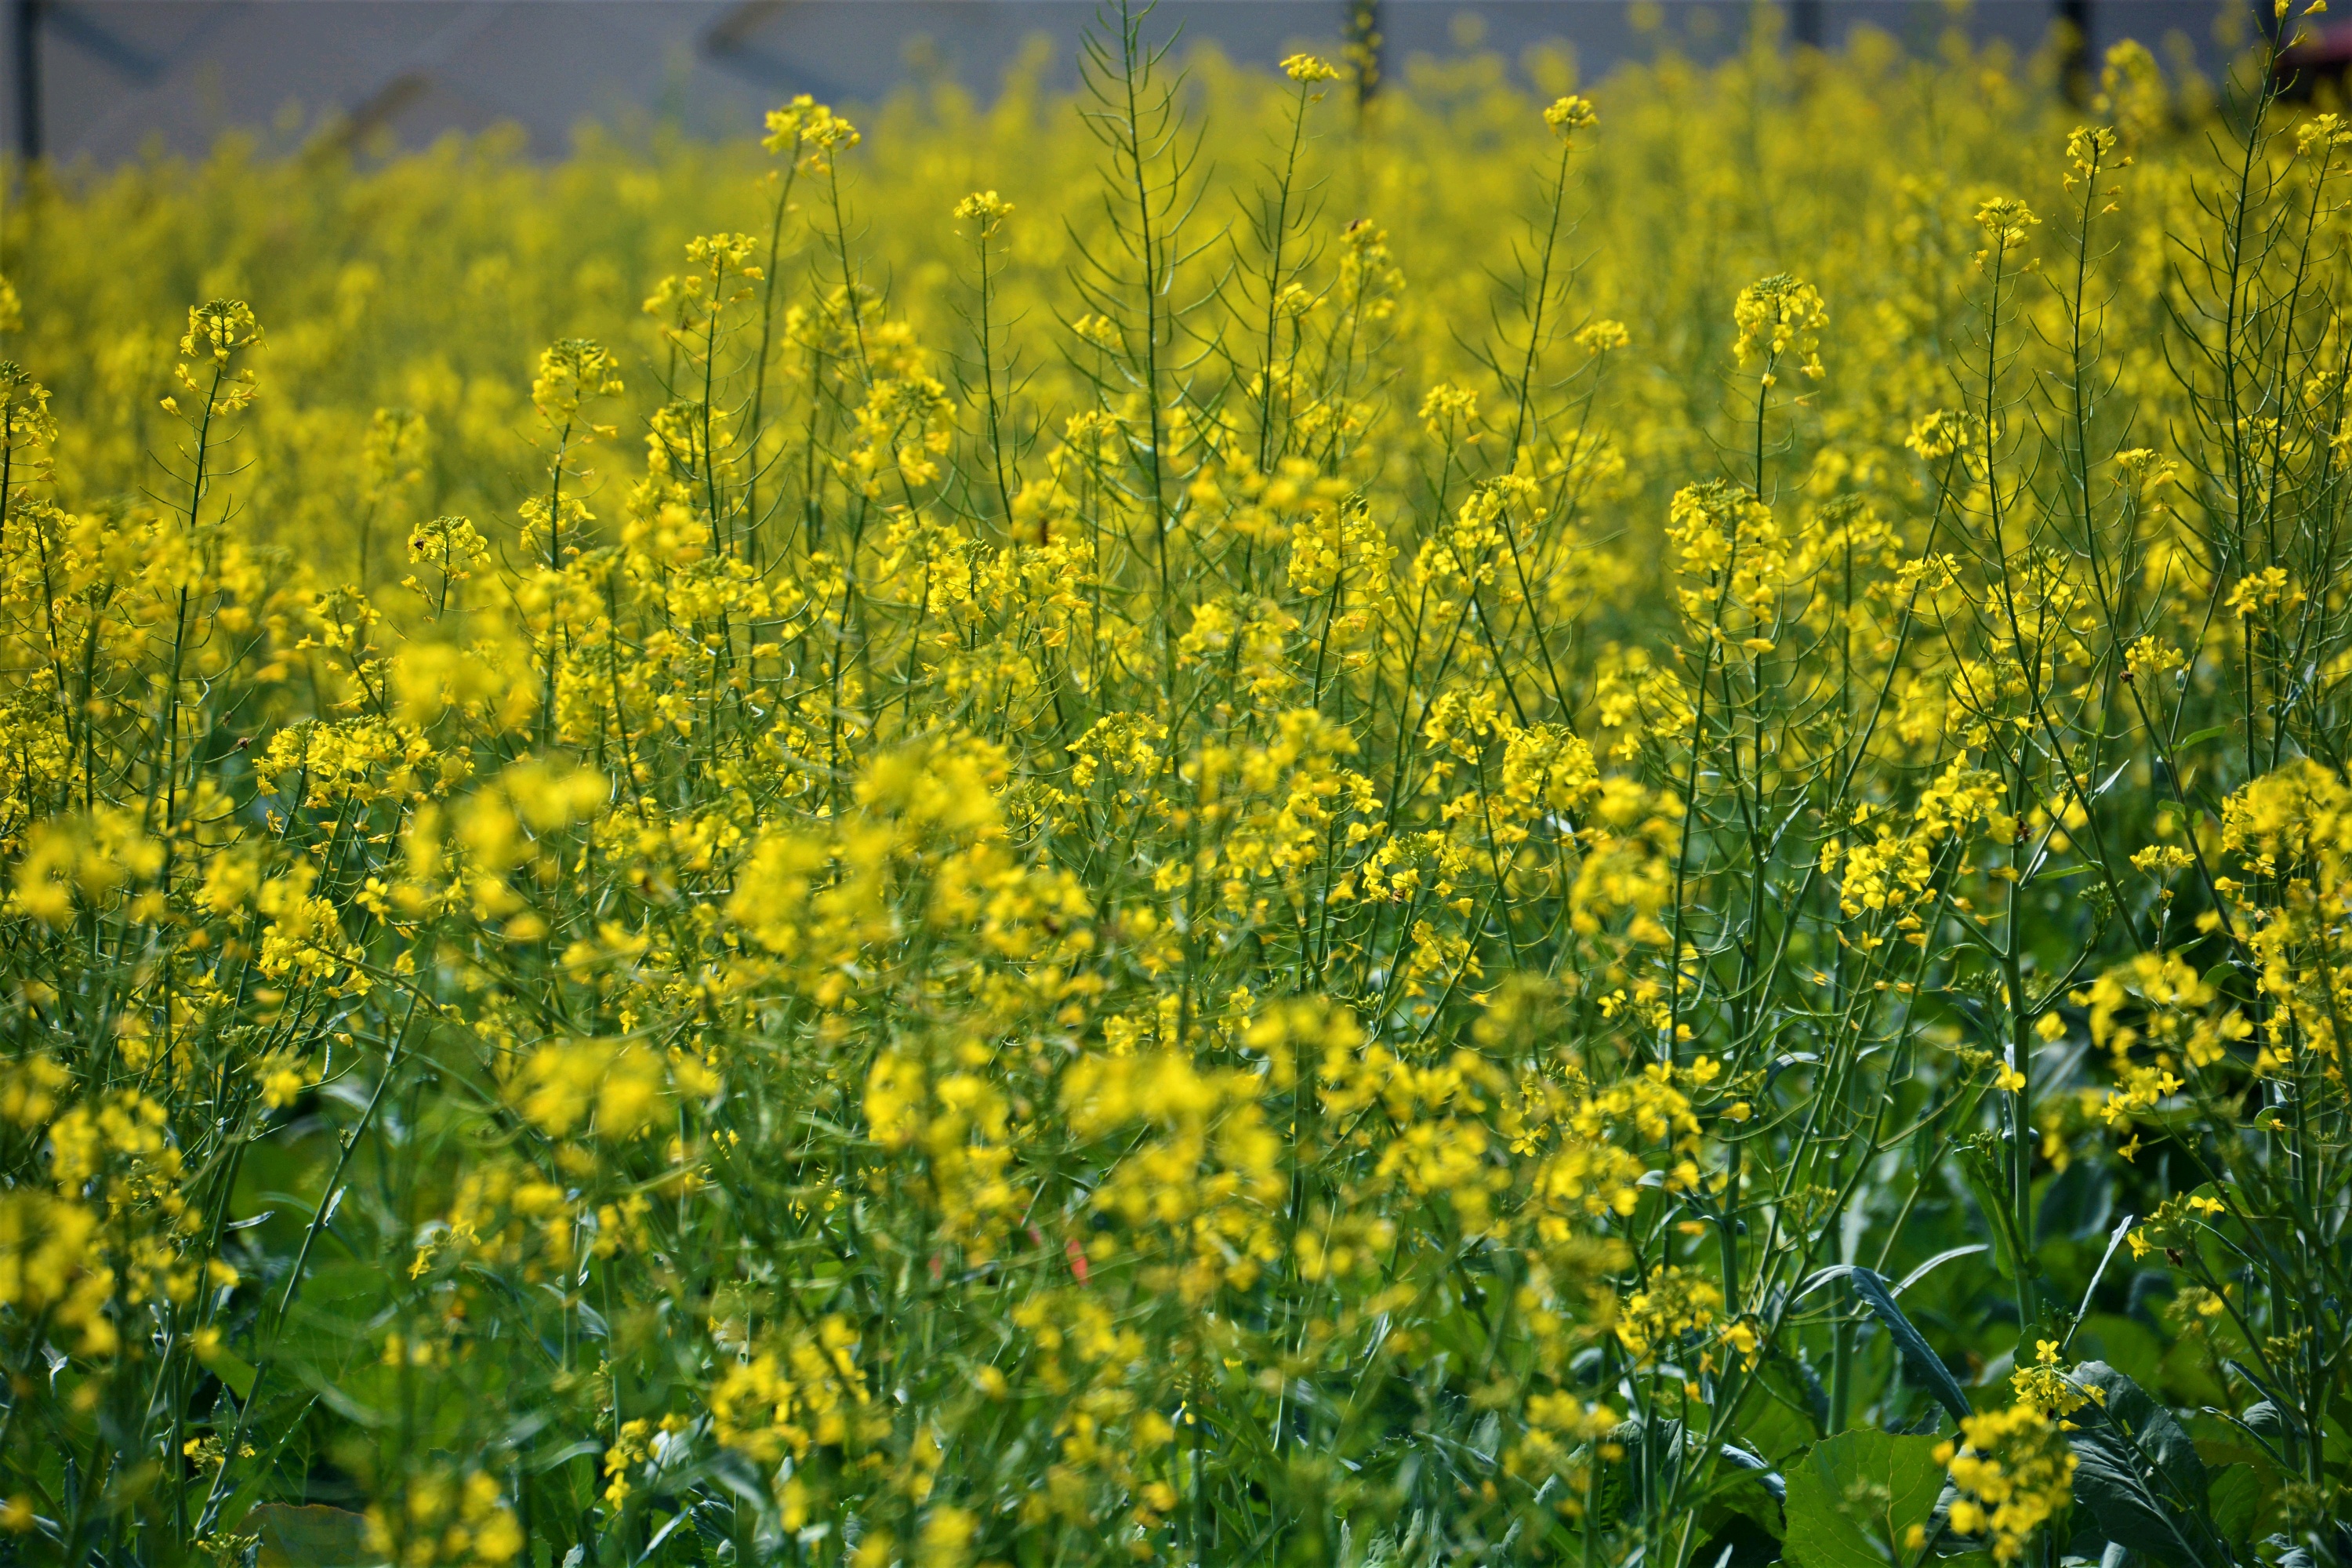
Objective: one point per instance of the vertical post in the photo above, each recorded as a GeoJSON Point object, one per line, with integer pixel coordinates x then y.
{"type": "Point", "coordinates": [1365, 49]}
{"type": "Point", "coordinates": [1805, 23]}
{"type": "Point", "coordinates": [2075, 43]}
{"type": "Point", "coordinates": [25, 51]}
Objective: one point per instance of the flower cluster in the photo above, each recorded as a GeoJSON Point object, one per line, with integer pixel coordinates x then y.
{"type": "Point", "coordinates": [2014, 1475]}
{"type": "Point", "coordinates": [1177, 860]}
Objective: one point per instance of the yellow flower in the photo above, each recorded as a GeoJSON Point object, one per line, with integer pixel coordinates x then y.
{"type": "Point", "coordinates": [1777, 316]}
{"type": "Point", "coordinates": [2006, 222]}
{"type": "Point", "coordinates": [1568, 115]}
{"type": "Point", "coordinates": [2015, 1474]}
{"type": "Point", "coordinates": [985, 208]}
{"type": "Point", "coordinates": [1672, 1303]}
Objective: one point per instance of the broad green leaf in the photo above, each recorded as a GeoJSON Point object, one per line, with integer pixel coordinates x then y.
{"type": "Point", "coordinates": [1853, 1498]}
{"type": "Point", "coordinates": [2236, 1500]}
{"type": "Point", "coordinates": [312, 1537]}
{"type": "Point", "coordinates": [2154, 1431]}
{"type": "Point", "coordinates": [2136, 1470]}
{"type": "Point", "coordinates": [2129, 1346]}
{"type": "Point", "coordinates": [1746, 1486]}
{"type": "Point", "coordinates": [2187, 1374]}
{"type": "Point", "coordinates": [2077, 1203]}
{"type": "Point", "coordinates": [1742, 1496]}
{"type": "Point", "coordinates": [2110, 1483]}
{"type": "Point", "coordinates": [1774, 1418]}
{"type": "Point", "coordinates": [229, 1367]}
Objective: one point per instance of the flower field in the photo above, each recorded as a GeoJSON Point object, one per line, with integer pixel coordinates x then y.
{"type": "Point", "coordinates": [1232, 822]}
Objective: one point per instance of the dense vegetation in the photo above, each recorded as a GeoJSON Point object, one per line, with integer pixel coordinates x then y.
{"type": "Point", "coordinates": [1221, 824]}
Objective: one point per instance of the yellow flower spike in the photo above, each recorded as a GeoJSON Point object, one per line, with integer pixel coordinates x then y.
{"type": "Point", "coordinates": [1604, 337]}
{"type": "Point", "coordinates": [986, 209]}
{"type": "Point", "coordinates": [1568, 115]}
{"type": "Point", "coordinates": [2007, 222]}
{"type": "Point", "coordinates": [218, 329]}
{"type": "Point", "coordinates": [2014, 1473]}
{"type": "Point", "coordinates": [1670, 1304]}
{"type": "Point", "coordinates": [572, 372]}
{"type": "Point", "coordinates": [1778, 316]}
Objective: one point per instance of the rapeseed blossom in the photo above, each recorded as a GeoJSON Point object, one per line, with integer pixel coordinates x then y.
{"type": "Point", "coordinates": [1430, 829]}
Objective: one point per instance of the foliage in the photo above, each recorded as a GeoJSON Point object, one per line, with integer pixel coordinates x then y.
{"type": "Point", "coordinates": [1454, 833]}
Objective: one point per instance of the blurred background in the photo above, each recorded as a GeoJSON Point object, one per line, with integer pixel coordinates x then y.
{"type": "Point", "coordinates": [105, 80]}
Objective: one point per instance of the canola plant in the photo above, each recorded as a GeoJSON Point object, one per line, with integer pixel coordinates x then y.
{"type": "Point", "coordinates": [1230, 822]}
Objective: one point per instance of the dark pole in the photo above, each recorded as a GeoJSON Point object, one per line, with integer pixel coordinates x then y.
{"type": "Point", "coordinates": [1805, 23]}
{"type": "Point", "coordinates": [25, 39]}
{"type": "Point", "coordinates": [1366, 49]}
{"type": "Point", "coordinates": [2074, 64]}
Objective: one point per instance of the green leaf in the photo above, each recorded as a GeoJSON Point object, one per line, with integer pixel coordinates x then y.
{"type": "Point", "coordinates": [2236, 1500]}
{"type": "Point", "coordinates": [2187, 1373]}
{"type": "Point", "coordinates": [1776, 1413]}
{"type": "Point", "coordinates": [1925, 1363]}
{"type": "Point", "coordinates": [2136, 1470]}
{"type": "Point", "coordinates": [229, 1367]}
{"type": "Point", "coordinates": [2116, 1490]}
{"type": "Point", "coordinates": [1747, 1494]}
{"type": "Point", "coordinates": [1853, 1499]}
{"type": "Point", "coordinates": [2154, 1431]}
{"type": "Point", "coordinates": [2124, 1343]}
{"type": "Point", "coordinates": [313, 1537]}
{"type": "Point", "coordinates": [2263, 1420]}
